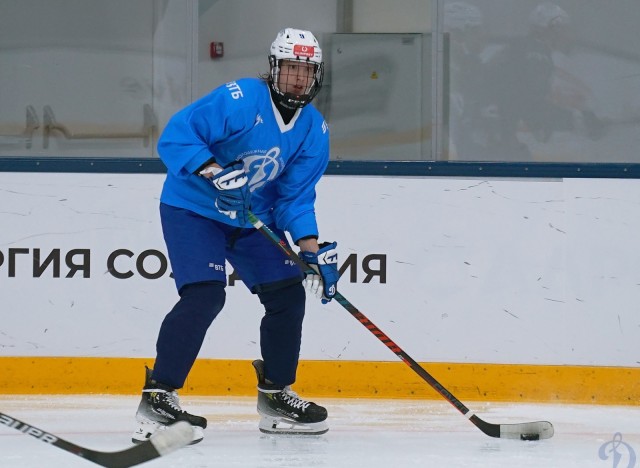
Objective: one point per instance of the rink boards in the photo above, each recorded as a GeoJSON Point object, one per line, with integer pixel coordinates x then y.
{"type": "Point", "coordinates": [506, 290]}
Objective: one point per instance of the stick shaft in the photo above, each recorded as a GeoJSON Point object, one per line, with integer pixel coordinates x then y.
{"type": "Point", "coordinates": [171, 439]}
{"type": "Point", "coordinates": [524, 431]}
{"type": "Point", "coordinates": [363, 319]}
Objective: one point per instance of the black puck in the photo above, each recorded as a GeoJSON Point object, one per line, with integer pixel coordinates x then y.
{"type": "Point", "coordinates": [529, 436]}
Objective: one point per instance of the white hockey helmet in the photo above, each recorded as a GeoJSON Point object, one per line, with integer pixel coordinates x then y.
{"type": "Point", "coordinates": [547, 15]}
{"type": "Point", "coordinates": [461, 15]}
{"type": "Point", "coordinates": [296, 44]}
{"type": "Point", "coordinates": [301, 46]}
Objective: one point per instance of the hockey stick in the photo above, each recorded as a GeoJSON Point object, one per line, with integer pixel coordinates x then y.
{"type": "Point", "coordinates": [174, 437]}
{"type": "Point", "coordinates": [524, 431]}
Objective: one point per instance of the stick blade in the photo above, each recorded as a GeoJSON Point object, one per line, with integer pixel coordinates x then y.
{"type": "Point", "coordinates": [536, 430]}
{"type": "Point", "coordinates": [174, 437]}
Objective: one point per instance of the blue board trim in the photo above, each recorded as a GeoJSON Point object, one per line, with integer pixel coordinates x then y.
{"type": "Point", "coordinates": [368, 168]}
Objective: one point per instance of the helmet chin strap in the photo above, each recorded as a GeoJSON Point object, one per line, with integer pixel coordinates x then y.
{"type": "Point", "coordinates": [288, 100]}
{"type": "Point", "coordinates": [285, 103]}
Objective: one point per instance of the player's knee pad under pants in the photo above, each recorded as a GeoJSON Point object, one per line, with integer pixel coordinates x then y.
{"type": "Point", "coordinates": [183, 330]}
{"type": "Point", "coordinates": [281, 332]}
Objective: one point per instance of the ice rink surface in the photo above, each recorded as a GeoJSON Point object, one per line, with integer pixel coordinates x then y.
{"type": "Point", "coordinates": [363, 433]}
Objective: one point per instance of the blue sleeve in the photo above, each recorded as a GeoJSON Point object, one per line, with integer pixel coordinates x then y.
{"type": "Point", "coordinates": [188, 139]}
{"type": "Point", "coordinates": [294, 210]}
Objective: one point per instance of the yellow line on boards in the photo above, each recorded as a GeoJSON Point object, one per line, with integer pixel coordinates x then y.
{"type": "Point", "coordinates": [345, 379]}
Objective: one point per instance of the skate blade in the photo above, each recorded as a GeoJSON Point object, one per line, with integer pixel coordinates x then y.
{"type": "Point", "coordinates": [271, 425]}
{"type": "Point", "coordinates": [147, 429]}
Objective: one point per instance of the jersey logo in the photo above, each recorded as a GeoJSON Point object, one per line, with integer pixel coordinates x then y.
{"type": "Point", "coordinates": [258, 120]}
{"type": "Point", "coordinates": [263, 168]}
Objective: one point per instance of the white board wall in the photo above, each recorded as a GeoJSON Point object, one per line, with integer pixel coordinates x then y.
{"type": "Point", "coordinates": [496, 271]}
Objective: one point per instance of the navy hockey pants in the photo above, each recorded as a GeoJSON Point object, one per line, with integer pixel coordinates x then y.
{"type": "Point", "coordinates": [183, 331]}
{"type": "Point", "coordinates": [198, 248]}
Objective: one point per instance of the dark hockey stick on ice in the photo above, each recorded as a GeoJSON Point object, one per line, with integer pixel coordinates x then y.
{"type": "Point", "coordinates": [524, 431]}
{"type": "Point", "coordinates": [174, 437]}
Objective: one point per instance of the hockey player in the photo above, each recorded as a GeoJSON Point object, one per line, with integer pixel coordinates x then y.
{"type": "Point", "coordinates": [253, 144]}
{"type": "Point", "coordinates": [523, 85]}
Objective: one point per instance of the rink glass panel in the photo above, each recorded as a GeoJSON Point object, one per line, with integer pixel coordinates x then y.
{"type": "Point", "coordinates": [541, 82]}
{"type": "Point", "coordinates": [431, 80]}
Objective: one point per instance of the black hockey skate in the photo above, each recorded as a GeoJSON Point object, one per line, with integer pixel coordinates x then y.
{"type": "Point", "coordinates": [159, 408]}
{"type": "Point", "coordinates": [282, 411]}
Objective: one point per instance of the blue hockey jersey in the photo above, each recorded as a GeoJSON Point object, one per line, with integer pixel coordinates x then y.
{"type": "Point", "coordinates": [238, 121]}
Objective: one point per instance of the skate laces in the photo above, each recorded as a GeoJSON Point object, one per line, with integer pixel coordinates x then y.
{"type": "Point", "coordinates": [292, 399]}
{"type": "Point", "coordinates": [172, 400]}
{"type": "Point", "coordinates": [169, 398]}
